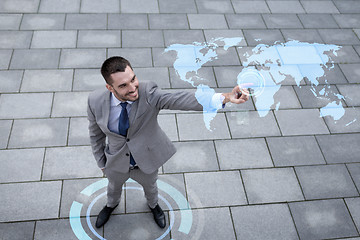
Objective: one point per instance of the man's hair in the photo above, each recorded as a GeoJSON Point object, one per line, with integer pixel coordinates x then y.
{"type": "Point", "coordinates": [113, 65]}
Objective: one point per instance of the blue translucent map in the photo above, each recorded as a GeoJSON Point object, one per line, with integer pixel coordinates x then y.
{"type": "Point", "coordinates": [265, 67]}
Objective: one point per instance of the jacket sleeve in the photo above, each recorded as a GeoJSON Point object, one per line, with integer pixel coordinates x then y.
{"type": "Point", "coordinates": [180, 100]}
{"type": "Point", "coordinates": [97, 138]}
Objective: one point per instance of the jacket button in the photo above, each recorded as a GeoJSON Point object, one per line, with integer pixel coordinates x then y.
{"type": "Point", "coordinates": [127, 154]}
{"type": "Point", "coordinates": [128, 140]}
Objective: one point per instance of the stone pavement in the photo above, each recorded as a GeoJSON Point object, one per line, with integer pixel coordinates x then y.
{"type": "Point", "coordinates": [289, 175]}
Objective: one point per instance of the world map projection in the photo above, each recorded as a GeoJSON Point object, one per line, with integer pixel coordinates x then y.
{"type": "Point", "coordinates": [265, 68]}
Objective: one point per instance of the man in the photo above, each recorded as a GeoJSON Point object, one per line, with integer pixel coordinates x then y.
{"type": "Point", "coordinates": [126, 114]}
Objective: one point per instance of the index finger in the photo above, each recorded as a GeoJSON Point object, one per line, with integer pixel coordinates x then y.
{"type": "Point", "coordinates": [245, 85]}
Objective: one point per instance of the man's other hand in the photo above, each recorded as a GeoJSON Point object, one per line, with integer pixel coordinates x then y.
{"type": "Point", "coordinates": [237, 95]}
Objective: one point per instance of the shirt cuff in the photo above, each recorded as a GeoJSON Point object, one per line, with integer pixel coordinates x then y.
{"type": "Point", "coordinates": [217, 101]}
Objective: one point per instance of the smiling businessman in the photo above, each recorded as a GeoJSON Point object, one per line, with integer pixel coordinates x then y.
{"type": "Point", "coordinates": [125, 113]}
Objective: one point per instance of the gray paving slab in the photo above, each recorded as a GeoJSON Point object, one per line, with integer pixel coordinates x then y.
{"type": "Point", "coordinates": [207, 21]}
{"type": "Point", "coordinates": [35, 59]}
{"type": "Point", "coordinates": [72, 192]}
{"type": "Point", "coordinates": [318, 21]}
{"type": "Point", "coordinates": [274, 220]}
{"type": "Point", "coordinates": [18, 230]}
{"type": "Point", "coordinates": [347, 124]}
{"type": "Point", "coordinates": [15, 39]}
{"type": "Point", "coordinates": [225, 76]}
{"type": "Point", "coordinates": [192, 157]}
{"type": "Point", "coordinates": [32, 105]}
{"type": "Point", "coordinates": [60, 229]}
{"type": "Point", "coordinates": [17, 206]}
{"type": "Point", "coordinates": [351, 72]}
{"type": "Point", "coordinates": [168, 21]}
{"type": "Point", "coordinates": [271, 185]}
{"type": "Point", "coordinates": [174, 6]}
{"type": "Point", "coordinates": [339, 36]}
{"type": "Point", "coordinates": [43, 21]}
{"type": "Point", "coordinates": [302, 35]}
{"type": "Point", "coordinates": [357, 48]}
{"type": "Point", "coordinates": [88, 80]}
{"type": "Point", "coordinates": [100, 6]}
{"type": "Point", "coordinates": [227, 57]}
{"type": "Point", "coordinates": [138, 57]}
{"type": "Point", "coordinates": [300, 122]}
{"type": "Point", "coordinates": [319, 7]}
{"type": "Point", "coordinates": [139, 6]}
{"type": "Point", "coordinates": [347, 20]}
{"type": "Point", "coordinates": [69, 162]}
{"type": "Point", "coordinates": [204, 75]}
{"type": "Point", "coordinates": [243, 153]}
{"type": "Point", "coordinates": [54, 39]}
{"type": "Point", "coordinates": [78, 132]}
{"type": "Point", "coordinates": [10, 21]}
{"type": "Point", "coordinates": [348, 7]}
{"type": "Point", "coordinates": [21, 6]}
{"type": "Point", "coordinates": [354, 169]}
{"type": "Point", "coordinates": [320, 219]}
{"type": "Point", "coordinates": [5, 57]}
{"type": "Point", "coordinates": [47, 80]}
{"type": "Point", "coordinates": [159, 75]}
{"type": "Point", "coordinates": [99, 38]}
{"type": "Point", "coordinates": [82, 58]}
{"type": "Point", "coordinates": [353, 205]}
{"type": "Point", "coordinates": [183, 37]}
{"type": "Point", "coordinates": [65, 6]}
{"type": "Point", "coordinates": [295, 151]}
{"type": "Point", "coordinates": [215, 189]}
{"type": "Point", "coordinates": [330, 181]}
{"type": "Point", "coordinates": [127, 227]}
{"type": "Point", "coordinates": [346, 54]}
{"type": "Point", "coordinates": [245, 21]}
{"type": "Point", "coordinates": [214, 6]}
{"type": "Point", "coordinates": [332, 75]}
{"type": "Point", "coordinates": [128, 21]}
{"type": "Point", "coordinates": [5, 128]}
{"type": "Point", "coordinates": [206, 224]}
{"type": "Point", "coordinates": [86, 21]}
{"type": "Point", "coordinates": [192, 127]}
{"type": "Point", "coordinates": [287, 98]}
{"type": "Point", "coordinates": [346, 152]}
{"type": "Point", "coordinates": [136, 201]}
{"type": "Point", "coordinates": [256, 37]}
{"type": "Point", "coordinates": [350, 93]}
{"type": "Point", "coordinates": [70, 104]}
{"type": "Point", "coordinates": [225, 33]}
{"type": "Point", "coordinates": [39, 133]}
{"type": "Point", "coordinates": [162, 59]}
{"type": "Point", "coordinates": [249, 124]}
{"type": "Point", "coordinates": [250, 7]}
{"type": "Point", "coordinates": [10, 80]}
{"type": "Point", "coordinates": [279, 20]}
{"type": "Point", "coordinates": [142, 38]}
{"type": "Point", "coordinates": [285, 7]}
{"type": "Point", "coordinates": [311, 97]}
{"type": "Point", "coordinates": [21, 165]}
{"type": "Point", "coordinates": [167, 123]}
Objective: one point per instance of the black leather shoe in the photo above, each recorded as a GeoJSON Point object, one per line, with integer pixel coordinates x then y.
{"type": "Point", "coordinates": [159, 216]}
{"type": "Point", "coordinates": [104, 216]}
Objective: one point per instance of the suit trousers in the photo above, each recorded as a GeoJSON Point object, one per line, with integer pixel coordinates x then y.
{"type": "Point", "coordinates": [117, 180]}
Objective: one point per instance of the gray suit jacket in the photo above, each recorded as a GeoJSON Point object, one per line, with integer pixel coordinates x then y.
{"type": "Point", "coordinates": [148, 144]}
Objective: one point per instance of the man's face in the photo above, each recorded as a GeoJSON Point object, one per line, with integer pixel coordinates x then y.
{"type": "Point", "coordinates": [125, 85]}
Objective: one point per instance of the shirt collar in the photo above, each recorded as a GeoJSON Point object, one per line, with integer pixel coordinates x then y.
{"type": "Point", "coordinates": [116, 102]}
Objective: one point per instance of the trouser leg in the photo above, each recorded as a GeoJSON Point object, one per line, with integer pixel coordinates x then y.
{"type": "Point", "coordinates": [148, 182]}
{"type": "Point", "coordinates": [114, 188]}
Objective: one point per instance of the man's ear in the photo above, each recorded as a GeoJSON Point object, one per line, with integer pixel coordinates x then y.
{"type": "Point", "coordinates": [109, 87]}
